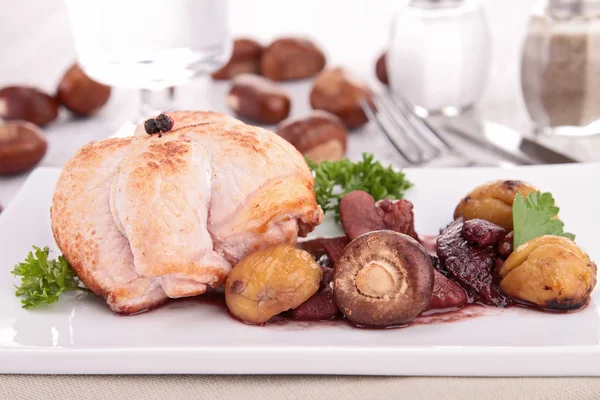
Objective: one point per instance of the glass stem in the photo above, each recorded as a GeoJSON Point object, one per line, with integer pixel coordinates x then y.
{"type": "Point", "coordinates": [153, 102]}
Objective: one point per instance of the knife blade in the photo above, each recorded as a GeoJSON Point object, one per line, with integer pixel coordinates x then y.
{"type": "Point", "coordinates": [506, 142]}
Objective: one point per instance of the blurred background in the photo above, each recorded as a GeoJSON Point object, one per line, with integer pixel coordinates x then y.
{"type": "Point", "coordinates": [39, 48]}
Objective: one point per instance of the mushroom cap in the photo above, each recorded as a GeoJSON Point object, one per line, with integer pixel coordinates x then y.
{"type": "Point", "coordinates": [383, 278]}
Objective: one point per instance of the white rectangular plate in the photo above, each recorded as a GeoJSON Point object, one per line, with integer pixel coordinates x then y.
{"type": "Point", "coordinates": [80, 335]}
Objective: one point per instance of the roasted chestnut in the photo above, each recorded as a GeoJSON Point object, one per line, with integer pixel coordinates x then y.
{"type": "Point", "coordinates": [27, 104]}
{"type": "Point", "coordinates": [320, 135]}
{"type": "Point", "coordinates": [268, 282]}
{"type": "Point", "coordinates": [245, 59]}
{"type": "Point", "coordinates": [22, 146]}
{"type": "Point", "coordinates": [549, 271]}
{"type": "Point", "coordinates": [337, 91]}
{"type": "Point", "coordinates": [383, 278]}
{"type": "Point", "coordinates": [80, 94]}
{"type": "Point", "coordinates": [258, 99]}
{"type": "Point", "coordinates": [291, 58]}
{"type": "Point", "coordinates": [493, 202]}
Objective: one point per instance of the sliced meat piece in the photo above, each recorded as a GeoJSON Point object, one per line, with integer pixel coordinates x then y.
{"type": "Point", "coordinates": [469, 264]}
{"type": "Point", "coordinates": [333, 247]}
{"type": "Point", "coordinates": [482, 232]}
{"type": "Point", "coordinates": [320, 306]}
{"type": "Point", "coordinates": [446, 293]}
{"type": "Point", "coordinates": [360, 214]}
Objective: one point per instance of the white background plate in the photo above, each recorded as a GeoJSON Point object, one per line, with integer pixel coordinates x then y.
{"type": "Point", "coordinates": [80, 335]}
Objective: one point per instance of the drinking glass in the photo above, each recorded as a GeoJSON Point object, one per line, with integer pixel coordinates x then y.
{"type": "Point", "coordinates": [150, 45]}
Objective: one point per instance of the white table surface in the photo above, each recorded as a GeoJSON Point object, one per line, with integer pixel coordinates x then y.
{"type": "Point", "coordinates": [37, 47]}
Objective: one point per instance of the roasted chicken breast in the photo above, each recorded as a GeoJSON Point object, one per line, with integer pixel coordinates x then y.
{"type": "Point", "coordinates": [152, 217]}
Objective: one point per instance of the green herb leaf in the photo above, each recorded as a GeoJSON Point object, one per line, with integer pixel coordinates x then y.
{"type": "Point", "coordinates": [334, 179]}
{"type": "Point", "coordinates": [44, 280]}
{"type": "Point", "coordinates": [536, 216]}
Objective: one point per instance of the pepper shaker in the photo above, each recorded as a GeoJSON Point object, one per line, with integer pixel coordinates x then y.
{"type": "Point", "coordinates": [439, 54]}
{"type": "Point", "coordinates": [560, 67]}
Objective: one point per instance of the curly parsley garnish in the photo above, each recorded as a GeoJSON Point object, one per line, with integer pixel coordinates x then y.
{"type": "Point", "coordinates": [334, 179]}
{"type": "Point", "coordinates": [536, 216]}
{"type": "Point", "coordinates": [44, 280]}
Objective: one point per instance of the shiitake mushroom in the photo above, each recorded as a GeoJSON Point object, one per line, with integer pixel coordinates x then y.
{"type": "Point", "coordinates": [383, 278]}
{"type": "Point", "coordinates": [22, 146]}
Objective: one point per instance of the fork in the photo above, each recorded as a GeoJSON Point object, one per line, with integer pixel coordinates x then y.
{"type": "Point", "coordinates": [413, 137]}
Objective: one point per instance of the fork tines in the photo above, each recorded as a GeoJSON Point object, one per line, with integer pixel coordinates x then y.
{"type": "Point", "coordinates": [413, 137]}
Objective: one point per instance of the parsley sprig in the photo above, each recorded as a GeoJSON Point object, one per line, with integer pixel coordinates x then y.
{"type": "Point", "coordinates": [334, 179]}
{"type": "Point", "coordinates": [536, 216]}
{"type": "Point", "coordinates": [44, 280]}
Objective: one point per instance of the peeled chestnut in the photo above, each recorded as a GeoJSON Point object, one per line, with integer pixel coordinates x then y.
{"type": "Point", "coordinates": [383, 278]}
{"type": "Point", "coordinates": [27, 104]}
{"type": "Point", "coordinates": [337, 91]}
{"type": "Point", "coordinates": [320, 135]}
{"type": "Point", "coordinates": [493, 202]}
{"type": "Point", "coordinates": [22, 146]}
{"type": "Point", "coordinates": [245, 58]}
{"type": "Point", "coordinates": [258, 99]}
{"type": "Point", "coordinates": [549, 271]}
{"type": "Point", "coordinates": [269, 282]}
{"type": "Point", "coordinates": [291, 58]}
{"type": "Point", "coordinates": [80, 94]}
{"type": "Point", "coordinates": [381, 69]}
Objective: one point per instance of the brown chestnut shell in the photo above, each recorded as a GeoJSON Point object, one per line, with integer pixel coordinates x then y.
{"type": "Point", "coordinates": [22, 146]}
{"type": "Point", "coordinates": [81, 94]}
{"type": "Point", "coordinates": [320, 135]}
{"type": "Point", "coordinates": [258, 99]}
{"type": "Point", "coordinates": [245, 59]}
{"type": "Point", "coordinates": [27, 104]}
{"type": "Point", "coordinates": [381, 69]}
{"type": "Point", "coordinates": [337, 91]}
{"type": "Point", "coordinates": [291, 58]}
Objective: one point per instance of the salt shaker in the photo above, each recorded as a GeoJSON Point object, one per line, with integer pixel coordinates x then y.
{"type": "Point", "coordinates": [560, 67]}
{"type": "Point", "coordinates": [439, 54]}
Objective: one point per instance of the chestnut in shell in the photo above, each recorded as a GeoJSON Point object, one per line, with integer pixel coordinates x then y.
{"type": "Point", "coordinates": [258, 99]}
{"type": "Point", "coordinates": [336, 90]}
{"type": "Point", "coordinates": [381, 69]}
{"type": "Point", "coordinates": [291, 58]}
{"type": "Point", "coordinates": [22, 146]}
{"type": "Point", "coordinates": [80, 94]}
{"type": "Point", "coordinates": [27, 104]}
{"type": "Point", "coordinates": [245, 59]}
{"type": "Point", "coordinates": [383, 278]}
{"type": "Point", "coordinates": [320, 136]}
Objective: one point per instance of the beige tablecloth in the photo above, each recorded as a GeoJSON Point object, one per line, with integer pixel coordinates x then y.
{"type": "Point", "coordinates": [294, 387]}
